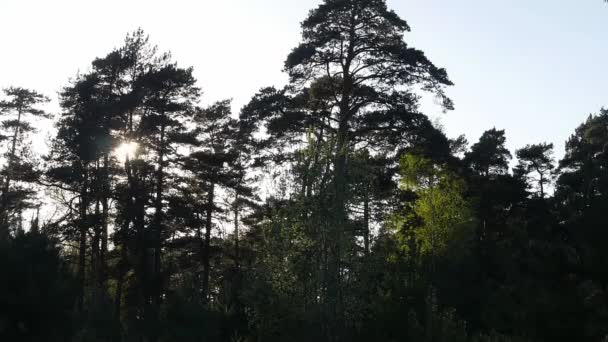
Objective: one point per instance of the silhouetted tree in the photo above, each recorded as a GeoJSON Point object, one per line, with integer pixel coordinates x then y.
{"type": "Point", "coordinates": [489, 155]}
{"type": "Point", "coordinates": [330, 209]}
{"type": "Point", "coordinates": [20, 108]}
{"type": "Point", "coordinates": [537, 159]}
{"type": "Point", "coordinates": [352, 81]}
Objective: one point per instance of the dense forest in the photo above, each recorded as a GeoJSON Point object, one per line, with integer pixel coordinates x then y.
{"type": "Point", "coordinates": [328, 209]}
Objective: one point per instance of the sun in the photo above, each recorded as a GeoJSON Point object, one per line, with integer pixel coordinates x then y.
{"type": "Point", "coordinates": [127, 149]}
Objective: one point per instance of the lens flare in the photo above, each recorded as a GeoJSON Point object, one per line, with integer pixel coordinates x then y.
{"type": "Point", "coordinates": [126, 150]}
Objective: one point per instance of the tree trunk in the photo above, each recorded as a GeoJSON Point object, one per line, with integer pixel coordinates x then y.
{"type": "Point", "coordinates": [207, 243]}
{"type": "Point", "coordinates": [366, 223]}
{"type": "Point", "coordinates": [95, 243]}
{"type": "Point", "coordinates": [122, 270]}
{"type": "Point", "coordinates": [542, 185]}
{"type": "Point", "coordinates": [104, 221]}
{"type": "Point", "coordinates": [158, 220]}
{"type": "Point", "coordinates": [83, 225]}
{"type": "Point", "coordinates": [95, 249]}
{"type": "Point", "coordinates": [236, 233]}
{"type": "Point", "coordinates": [4, 217]}
{"type": "Point", "coordinates": [335, 237]}
{"type": "Point", "coordinates": [340, 215]}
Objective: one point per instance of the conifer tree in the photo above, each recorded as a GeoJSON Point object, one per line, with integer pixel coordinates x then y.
{"type": "Point", "coordinates": [537, 159]}
{"type": "Point", "coordinates": [353, 79]}
{"type": "Point", "coordinates": [20, 107]}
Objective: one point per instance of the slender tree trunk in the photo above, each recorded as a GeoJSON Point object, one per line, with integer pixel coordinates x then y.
{"type": "Point", "coordinates": [335, 237]}
{"type": "Point", "coordinates": [95, 243]}
{"type": "Point", "coordinates": [236, 233]}
{"type": "Point", "coordinates": [542, 185]}
{"type": "Point", "coordinates": [207, 242]}
{"type": "Point", "coordinates": [158, 219]}
{"type": "Point", "coordinates": [122, 270]}
{"type": "Point", "coordinates": [95, 249]}
{"type": "Point", "coordinates": [366, 223]}
{"type": "Point", "coordinates": [142, 267]}
{"type": "Point", "coordinates": [430, 307]}
{"type": "Point", "coordinates": [20, 220]}
{"type": "Point", "coordinates": [201, 251]}
{"type": "Point", "coordinates": [104, 221]}
{"type": "Point", "coordinates": [83, 225]}
{"type": "Point", "coordinates": [135, 213]}
{"type": "Point", "coordinates": [158, 235]}
{"type": "Point", "coordinates": [4, 217]}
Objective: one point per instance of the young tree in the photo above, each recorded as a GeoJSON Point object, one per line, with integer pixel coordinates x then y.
{"type": "Point", "coordinates": [446, 215]}
{"type": "Point", "coordinates": [441, 217]}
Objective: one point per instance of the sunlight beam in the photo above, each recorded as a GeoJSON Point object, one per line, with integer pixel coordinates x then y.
{"type": "Point", "coordinates": [127, 149]}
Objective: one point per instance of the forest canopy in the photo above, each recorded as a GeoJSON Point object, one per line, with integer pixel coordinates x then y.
{"type": "Point", "coordinates": [330, 208]}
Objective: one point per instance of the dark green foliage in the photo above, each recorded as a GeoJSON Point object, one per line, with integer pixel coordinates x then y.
{"type": "Point", "coordinates": [538, 160]}
{"type": "Point", "coordinates": [185, 319]}
{"type": "Point", "coordinates": [37, 292]}
{"type": "Point", "coordinates": [329, 210]}
{"type": "Point", "coordinates": [489, 155]}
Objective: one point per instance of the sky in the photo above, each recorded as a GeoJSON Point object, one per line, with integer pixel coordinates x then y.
{"type": "Point", "coordinates": [534, 68]}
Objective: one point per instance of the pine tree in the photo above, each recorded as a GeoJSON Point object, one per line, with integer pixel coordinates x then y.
{"type": "Point", "coordinates": [210, 164]}
{"type": "Point", "coordinates": [352, 82]}
{"type": "Point", "coordinates": [537, 159]}
{"type": "Point", "coordinates": [489, 156]}
{"type": "Point", "coordinates": [20, 107]}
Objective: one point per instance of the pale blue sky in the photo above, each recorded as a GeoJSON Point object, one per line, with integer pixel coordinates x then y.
{"type": "Point", "coordinates": [535, 68]}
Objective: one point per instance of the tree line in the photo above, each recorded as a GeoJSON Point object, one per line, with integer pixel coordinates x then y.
{"type": "Point", "coordinates": [328, 209]}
